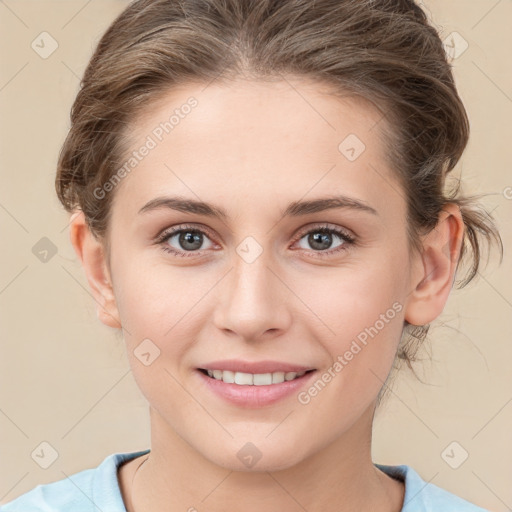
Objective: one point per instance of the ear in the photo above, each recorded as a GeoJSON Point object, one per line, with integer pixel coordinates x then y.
{"type": "Point", "coordinates": [92, 255]}
{"type": "Point", "coordinates": [434, 273]}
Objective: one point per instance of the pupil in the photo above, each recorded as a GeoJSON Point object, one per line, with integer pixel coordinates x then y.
{"type": "Point", "coordinates": [191, 237]}
{"type": "Point", "coordinates": [318, 240]}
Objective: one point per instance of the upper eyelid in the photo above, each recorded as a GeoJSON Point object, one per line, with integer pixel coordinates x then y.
{"type": "Point", "coordinates": [325, 225]}
{"type": "Point", "coordinates": [181, 227]}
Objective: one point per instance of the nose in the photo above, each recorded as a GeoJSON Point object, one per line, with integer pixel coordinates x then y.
{"type": "Point", "coordinates": [254, 301]}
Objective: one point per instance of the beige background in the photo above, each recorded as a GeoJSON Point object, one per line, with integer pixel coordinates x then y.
{"type": "Point", "coordinates": [64, 377]}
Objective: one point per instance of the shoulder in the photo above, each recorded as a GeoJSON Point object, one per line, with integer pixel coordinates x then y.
{"type": "Point", "coordinates": [421, 496]}
{"type": "Point", "coordinates": [89, 490]}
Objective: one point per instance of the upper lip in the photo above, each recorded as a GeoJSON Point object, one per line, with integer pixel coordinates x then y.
{"type": "Point", "coordinates": [236, 365]}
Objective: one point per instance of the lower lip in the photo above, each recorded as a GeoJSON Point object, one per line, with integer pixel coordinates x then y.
{"type": "Point", "coordinates": [255, 396]}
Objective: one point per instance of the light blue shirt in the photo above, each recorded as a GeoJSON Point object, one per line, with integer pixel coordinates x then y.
{"type": "Point", "coordinates": [97, 490]}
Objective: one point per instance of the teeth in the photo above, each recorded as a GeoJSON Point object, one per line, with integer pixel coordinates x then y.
{"type": "Point", "coordinates": [253, 379]}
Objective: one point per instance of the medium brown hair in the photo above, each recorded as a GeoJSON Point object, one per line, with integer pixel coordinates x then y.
{"type": "Point", "coordinates": [384, 51]}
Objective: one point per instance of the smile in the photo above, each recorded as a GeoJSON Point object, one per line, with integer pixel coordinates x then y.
{"type": "Point", "coordinates": [252, 379]}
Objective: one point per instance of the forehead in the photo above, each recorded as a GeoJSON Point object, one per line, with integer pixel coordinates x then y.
{"type": "Point", "coordinates": [302, 109]}
{"type": "Point", "coordinates": [252, 140]}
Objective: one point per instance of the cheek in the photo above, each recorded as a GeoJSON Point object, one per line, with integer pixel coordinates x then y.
{"type": "Point", "coordinates": [367, 327]}
{"type": "Point", "coordinates": [352, 299]}
{"type": "Point", "coordinates": [153, 299]}
{"type": "Point", "coordinates": [159, 308]}
{"type": "Point", "coordinates": [361, 320]}
{"type": "Point", "coordinates": [158, 320]}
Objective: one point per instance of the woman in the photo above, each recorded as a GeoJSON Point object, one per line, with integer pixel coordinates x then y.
{"type": "Point", "coordinates": [258, 200]}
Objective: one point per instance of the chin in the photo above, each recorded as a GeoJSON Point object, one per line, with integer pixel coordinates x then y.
{"type": "Point", "coordinates": [255, 456]}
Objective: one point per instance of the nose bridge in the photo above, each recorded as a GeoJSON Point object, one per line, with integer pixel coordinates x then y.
{"type": "Point", "coordinates": [253, 301]}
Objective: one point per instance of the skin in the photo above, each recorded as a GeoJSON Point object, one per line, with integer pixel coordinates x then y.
{"type": "Point", "coordinates": [252, 148]}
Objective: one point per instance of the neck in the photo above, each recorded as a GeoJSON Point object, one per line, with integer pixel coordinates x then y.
{"type": "Point", "coordinates": [341, 477]}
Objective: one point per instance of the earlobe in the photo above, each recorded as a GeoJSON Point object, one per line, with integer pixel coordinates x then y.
{"type": "Point", "coordinates": [433, 281]}
{"type": "Point", "coordinates": [92, 255]}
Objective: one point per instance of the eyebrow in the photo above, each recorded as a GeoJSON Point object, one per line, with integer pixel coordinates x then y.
{"type": "Point", "coordinates": [294, 209]}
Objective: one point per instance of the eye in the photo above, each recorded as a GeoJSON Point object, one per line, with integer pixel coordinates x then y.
{"type": "Point", "coordinates": [188, 240]}
{"type": "Point", "coordinates": [320, 239]}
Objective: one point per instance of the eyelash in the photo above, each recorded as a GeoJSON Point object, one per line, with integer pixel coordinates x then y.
{"type": "Point", "coordinates": [163, 238]}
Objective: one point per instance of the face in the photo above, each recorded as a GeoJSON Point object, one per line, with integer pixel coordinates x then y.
{"type": "Point", "coordinates": [320, 288]}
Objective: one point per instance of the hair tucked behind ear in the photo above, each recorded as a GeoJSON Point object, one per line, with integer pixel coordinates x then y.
{"type": "Point", "coordinates": [382, 50]}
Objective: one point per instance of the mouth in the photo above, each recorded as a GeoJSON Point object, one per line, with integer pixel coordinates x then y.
{"type": "Point", "coordinates": [253, 379]}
